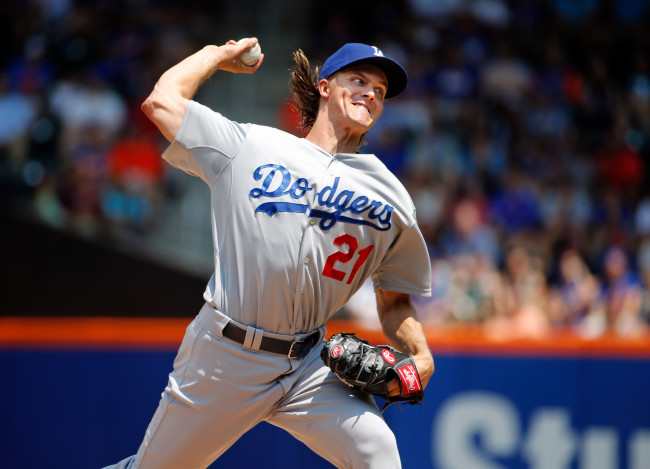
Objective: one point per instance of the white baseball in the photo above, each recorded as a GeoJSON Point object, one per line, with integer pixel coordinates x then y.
{"type": "Point", "coordinates": [252, 55]}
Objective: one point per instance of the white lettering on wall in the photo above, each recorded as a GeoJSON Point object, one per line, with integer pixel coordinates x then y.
{"type": "Point", "coordinates": [599, 449]}
{"type": "Point", "coordinates": [490, 418]}
{"type": "Point", "coordinates": [483, 430]}
{"type": "Point", "coordinates": [550, 443]}
{"type": "Point", "coordinates": [640, 450]}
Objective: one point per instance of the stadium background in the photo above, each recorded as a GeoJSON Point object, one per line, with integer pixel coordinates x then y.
{"type": "Point", "coordinates": [524, 138]}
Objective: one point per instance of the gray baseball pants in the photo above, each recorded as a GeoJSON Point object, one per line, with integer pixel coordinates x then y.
{"type": "Point", "coordinates": [217, 391]}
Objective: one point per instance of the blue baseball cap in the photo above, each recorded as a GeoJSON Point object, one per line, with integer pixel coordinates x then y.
{"type": "Point", "coordinates": [355, 53]}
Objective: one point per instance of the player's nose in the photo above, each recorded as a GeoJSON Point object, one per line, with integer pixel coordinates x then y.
{"type": "Point", "coordinates": [369, 94]}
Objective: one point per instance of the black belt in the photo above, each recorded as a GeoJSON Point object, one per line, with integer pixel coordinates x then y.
{"type": "Point", "coordinates": [292, 349]}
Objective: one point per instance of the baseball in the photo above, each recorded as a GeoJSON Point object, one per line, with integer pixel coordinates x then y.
{"type": "Point", "coordinates": [252, 55]}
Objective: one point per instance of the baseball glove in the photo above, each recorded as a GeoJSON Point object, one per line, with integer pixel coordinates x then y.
{"type": "Point", "coordinates": [369, 368]}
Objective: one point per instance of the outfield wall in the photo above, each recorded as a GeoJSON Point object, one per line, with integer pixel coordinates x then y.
{"type": "Point", "coordinates": [78, 393]}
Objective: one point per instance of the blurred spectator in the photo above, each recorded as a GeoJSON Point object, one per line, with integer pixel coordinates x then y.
{"type": "Point", "coordinates": [439, 12]}
{"type": "Point", "coordinates": [619, 302]}
{"type": "Point", "coordinates": [566, 211]}
{"type": "Point", "coordinates": [476, 291]}
{"type": "Point", "coordinates": [468, 234]}
{"type": "Point", "coordinates": [32, 71]}
{"type": "Point", "coordinates": [593, 112]}
{"type": "Point", "coordinates": [17, 112]}
{"type": "Point", "coordinates": [87, 101]}
{"type": "Point", "coordinates": [506, 78]}
{"type": "Point", "coordinates": [84, 178]}
{"type": "Point", "coordinates": [527, 291]}
{"type": "Point", "coordinates": [613, 216]}
{"type": "Point", "coordinates": [637, 92]}
{"type": "Point", "coordinates": [515, 207]}
{"type": "Point", "coordinates": [454, 80]}
{"type": "Point", "coordinates": [574, 295]}
{"type": "Point", "coordinates": [496, 13]}
{"type": "Point", "coordinates": [134, 186]}
{"type": "Point", "coordinates": [642, 217]}
{"type": "Point", "coordinates": [643, 261]}
{"type": "Point", "coordinates": [620, 167]}
{"type": "Point", "coordinates": [430, 197]}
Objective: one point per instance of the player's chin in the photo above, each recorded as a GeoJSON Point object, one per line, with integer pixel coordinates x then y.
{"type": "Point", "coordinates": [365, 122]}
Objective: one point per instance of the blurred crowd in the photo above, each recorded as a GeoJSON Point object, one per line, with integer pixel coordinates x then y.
{"type": "Point", "coordinates": [75, 147]}
{"type": "Point", "coordinates": [523, 137]}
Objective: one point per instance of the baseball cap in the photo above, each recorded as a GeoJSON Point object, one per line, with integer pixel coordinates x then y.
{"type": "Point", "coordinates": [353, 53]}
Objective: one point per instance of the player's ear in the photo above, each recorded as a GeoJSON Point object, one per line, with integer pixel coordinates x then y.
{"type": "Point", "coordinates": [324, 88]}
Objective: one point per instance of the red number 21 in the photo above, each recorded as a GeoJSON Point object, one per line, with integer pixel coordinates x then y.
{"type": "Point", "coordinates": [345, 257]}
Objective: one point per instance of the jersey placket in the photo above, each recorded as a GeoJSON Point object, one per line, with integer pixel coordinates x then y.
{"type": "Point", "coordinates": [307, 261]}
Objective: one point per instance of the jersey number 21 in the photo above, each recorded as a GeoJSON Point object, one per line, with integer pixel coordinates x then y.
{"type": "Point", "coordinates": [346, 256]}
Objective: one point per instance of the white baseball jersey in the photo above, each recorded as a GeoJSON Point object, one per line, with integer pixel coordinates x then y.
{"type": "Point", "coordinates": [296, 229]}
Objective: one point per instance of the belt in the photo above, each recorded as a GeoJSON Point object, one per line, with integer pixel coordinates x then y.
{"type": "Point", "coordinates": [292, 349]}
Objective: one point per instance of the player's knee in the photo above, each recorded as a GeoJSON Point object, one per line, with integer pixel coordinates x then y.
{"type": "Point", "coordinates": [378, 449]}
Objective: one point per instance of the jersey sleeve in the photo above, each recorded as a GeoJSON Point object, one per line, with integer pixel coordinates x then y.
{"type": "Point", "coordinates": [205, 143]}
{"type": "Point", "coordinates": [406, 268]}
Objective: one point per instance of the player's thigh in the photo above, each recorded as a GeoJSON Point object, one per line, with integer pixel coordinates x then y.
{"type": "Point", "coordinates": [339, 423]}
{"type": "Point", "coordinates": [211, 400]}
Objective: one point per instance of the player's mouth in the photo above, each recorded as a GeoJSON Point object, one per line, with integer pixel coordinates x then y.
{"type": "Point", "coordinates": [364, 105]}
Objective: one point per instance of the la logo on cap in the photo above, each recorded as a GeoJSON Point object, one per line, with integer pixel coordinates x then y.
{"type": "Point", "coordinates": [357, 53]}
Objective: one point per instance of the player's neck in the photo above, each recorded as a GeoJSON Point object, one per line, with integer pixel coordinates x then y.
{"type": "Point", "coordinates": [333, 140]}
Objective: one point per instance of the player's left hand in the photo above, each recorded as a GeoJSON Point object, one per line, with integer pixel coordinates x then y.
{"type": "Point", "coordinates": [393, 387]}
{"type": "Point", "coordinates": [381, 370]}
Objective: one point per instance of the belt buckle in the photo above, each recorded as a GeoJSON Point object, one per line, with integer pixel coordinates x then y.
{"type": "Point", "coordinates": [290, 354]}
{"type": "Point", "coordinates": [308, 343]}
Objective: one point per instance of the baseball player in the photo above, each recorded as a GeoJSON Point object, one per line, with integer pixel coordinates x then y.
{"type": "Point", "coordinates": [298, 225]}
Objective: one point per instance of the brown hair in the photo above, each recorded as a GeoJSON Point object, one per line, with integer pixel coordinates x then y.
{"type": "Point", "coordinates": [304, 87]}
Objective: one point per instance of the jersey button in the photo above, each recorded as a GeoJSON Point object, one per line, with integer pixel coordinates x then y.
{"type": "Point", "coordinates": [312, 221]}
{"type": "Point", "coordinates": [307, 260]}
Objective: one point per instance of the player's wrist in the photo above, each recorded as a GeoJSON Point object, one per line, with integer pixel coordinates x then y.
{"type": "Point", "coordinates": [425, 366]}
{"type": "Point", "coordinates": [213, 57]}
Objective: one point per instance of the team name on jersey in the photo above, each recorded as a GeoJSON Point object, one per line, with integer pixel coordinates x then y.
{"type": "Point", "coordinates": [277, 181]}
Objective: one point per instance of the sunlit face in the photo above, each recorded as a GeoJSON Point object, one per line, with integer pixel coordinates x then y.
{"type": "Point", "coordinates": [356, 96]}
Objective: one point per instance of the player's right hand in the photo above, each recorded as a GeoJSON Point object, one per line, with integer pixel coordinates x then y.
{"type": "Point", "coordinates": [232, 54]}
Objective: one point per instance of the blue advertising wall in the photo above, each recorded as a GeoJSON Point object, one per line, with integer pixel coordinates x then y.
{"type": "Point", "coordinates": [88, 408]}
